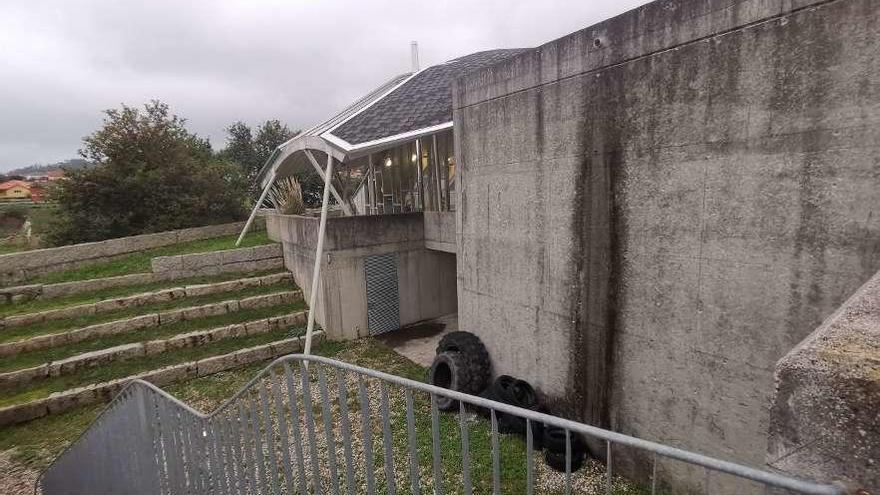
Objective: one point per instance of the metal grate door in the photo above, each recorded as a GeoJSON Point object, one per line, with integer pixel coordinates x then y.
{"type": "Point", "coordinates": [383, 296]}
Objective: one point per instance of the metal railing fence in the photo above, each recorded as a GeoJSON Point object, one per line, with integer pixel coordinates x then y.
{"type": "Point", "coordinates": [315, 425]}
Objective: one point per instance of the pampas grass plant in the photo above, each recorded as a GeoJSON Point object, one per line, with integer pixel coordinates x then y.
{"type": "Point", "coordinates": [286, 197]}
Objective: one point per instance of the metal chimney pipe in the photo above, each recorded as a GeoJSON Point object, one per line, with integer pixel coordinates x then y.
{"type": "Point", "coordinates": [414, 48]}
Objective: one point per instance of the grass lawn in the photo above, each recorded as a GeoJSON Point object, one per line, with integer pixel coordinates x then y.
{"type": "Point", "coordinates": [140, 262]}
{"type": "Point", "coordinates": [57, 326]}
{"type": "Point", "coordinates": [37, 305]}
{"type": "Point", "coordinates": [40, 217]}
{"type": "Point", "coordinates": [121, 369]}
{"type": "Point", "coordinates": [11, 248]}
{"type": "Point", "coordinates": [38, 357]}
{"type": "Point", "coordinates": [36, 443]}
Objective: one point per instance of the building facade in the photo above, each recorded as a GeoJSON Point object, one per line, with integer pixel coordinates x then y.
{"type": "Point", "coordinates": [641, 218]}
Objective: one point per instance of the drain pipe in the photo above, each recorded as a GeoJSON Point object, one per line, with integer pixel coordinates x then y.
{"type": "Point", "coordinates": [319, 253]}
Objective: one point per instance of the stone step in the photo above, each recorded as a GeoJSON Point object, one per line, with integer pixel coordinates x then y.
{"type": "Point", "coordinates": [123, 352]}
{"type": "Point", "coordinates": [104, 392]}
{"type": "Point", "coordinates": [149, 320]}
{"type": "Point", "coordinates": [21, 293]}
{"type": "Point", "coordinates": [142, 299]}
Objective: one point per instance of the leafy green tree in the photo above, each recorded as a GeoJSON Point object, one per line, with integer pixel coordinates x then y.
{"type": "Point", "coordinates": [250, 149]}
{"type": "Point", "coordinates": [150, 174]}
{"type": "Point", "coordinates": [241, 151]}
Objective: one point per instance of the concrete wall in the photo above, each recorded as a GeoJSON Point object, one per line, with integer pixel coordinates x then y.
{"type": "Point", "coordinates": [825, 419]}
{"type": "Point", "coordinates": [23, 266]}
{"type": "Point", "coordinates": [440, 232]}
{"type": "Point", "coordinates": [657, 208]}
{"type": "Point", "coordinates": [426, 278]}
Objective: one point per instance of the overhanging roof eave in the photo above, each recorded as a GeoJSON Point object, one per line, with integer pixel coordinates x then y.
{"type": "Point", "coordinates": [361, 149]}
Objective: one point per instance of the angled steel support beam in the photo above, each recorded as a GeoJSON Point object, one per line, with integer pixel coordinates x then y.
{"type": "Point", "coordinates": [319, 253]}
{"type": "Point", "coordinates": [345, 207]}
{"type": "Point", "coordinates": [259, 203]}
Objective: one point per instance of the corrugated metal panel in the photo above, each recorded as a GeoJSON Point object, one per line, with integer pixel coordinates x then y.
{"type": "Point", "coordinates": [383, 296]}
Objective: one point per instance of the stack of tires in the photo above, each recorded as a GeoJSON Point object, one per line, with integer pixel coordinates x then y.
{"type": "Point", "coordinates": [462, 364]}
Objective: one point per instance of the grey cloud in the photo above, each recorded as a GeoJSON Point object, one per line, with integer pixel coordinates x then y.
{"type": "Point", "coordinates": [216, 62]}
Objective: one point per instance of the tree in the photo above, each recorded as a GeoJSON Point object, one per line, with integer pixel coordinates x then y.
{"type": "Point", "coordinates": [250, 150]}
{"type": "Point", "coordinates": [150, 174]}
{"type": "Point", "coordinates": [241, 151]}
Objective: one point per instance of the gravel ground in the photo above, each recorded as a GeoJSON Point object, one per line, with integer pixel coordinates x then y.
{"type": "Point", "coordinates": [15, 478]}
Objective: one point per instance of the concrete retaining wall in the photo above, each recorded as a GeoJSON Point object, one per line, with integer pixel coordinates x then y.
{"type": "Point", "coordinates": [79, 362]}
{"type": "Point", "coordinates": [104, 392]}
{"type": "Point", "coordinates": [257, 258]}
{"type": "Point", "coordinates": [426, 278]}
{"type": "Point", "coordinates": [19, 267]}
{"type": "Point", "coordinates": [147, 321]}
{"type": "Point", "coordinates": [825, 418]}
{"type": "Point", "coordinates": [657, 208]}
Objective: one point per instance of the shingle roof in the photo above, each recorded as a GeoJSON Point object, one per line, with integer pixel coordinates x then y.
{"type": "Point", "coordinates": [14, 183]}
{"type": "Point", "coordinates": [423, 101]}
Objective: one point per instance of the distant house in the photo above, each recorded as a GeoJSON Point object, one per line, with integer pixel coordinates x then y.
{"type": "Point", "coordinates": [49, 176]}
{"type": "Point", "coordinates": [15, 189]}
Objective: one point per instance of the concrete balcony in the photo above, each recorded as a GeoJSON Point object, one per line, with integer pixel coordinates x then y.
{"type": "Point", "coordinates": [416, 282]}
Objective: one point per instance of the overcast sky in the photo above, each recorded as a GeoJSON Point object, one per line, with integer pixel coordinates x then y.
{"type": "Point", "coordinates": [216, 62]}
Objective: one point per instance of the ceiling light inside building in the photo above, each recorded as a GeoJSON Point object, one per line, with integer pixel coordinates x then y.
{"type": "Point", "coordinates": [388, 161]}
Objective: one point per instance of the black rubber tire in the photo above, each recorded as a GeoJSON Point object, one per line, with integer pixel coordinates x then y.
{"type": "Point", "coordinates": [554, 441]}
{"type": "Point", "coordinates": [449, 370]}
{"type": "Point", "coordinates": [557, 461]}
{"type": "Point", "coordinates": [475, 355]}
{"type": "Point", "coordinates": [510, 390]}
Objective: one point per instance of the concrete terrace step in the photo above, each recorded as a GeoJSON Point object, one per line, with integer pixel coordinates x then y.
{"type": "Point", "coordinates": [103, 392]}
{"type": "Point", "coordinates": [123, 352]}
{"type": "Point", "coordinates": [62, 289]}
{"type": "Point", "coordinates": [141, 299]}
{"type": "Point", "coordinates": [149, 320]}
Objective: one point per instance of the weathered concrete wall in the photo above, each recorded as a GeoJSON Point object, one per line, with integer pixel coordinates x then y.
{"type": "Point", "coordinates": [440, 231]}
{"type": "Point", "coordinates": [19, 267]}
{"type": "Point", "coordinates": [657, 208]}
{"type": "Point", "coordinates": [825, 419]}
{"type": "Point", "coordinates": [426, 278]}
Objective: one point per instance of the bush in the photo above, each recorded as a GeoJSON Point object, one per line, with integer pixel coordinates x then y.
{"type": "Point", "coordinates": [151, 175]}
{"type": "Point", "coordinates": [17, 213]}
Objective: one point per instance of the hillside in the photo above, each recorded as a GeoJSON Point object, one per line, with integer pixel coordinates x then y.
{"type": "Point", "coordinates": [36, 169]}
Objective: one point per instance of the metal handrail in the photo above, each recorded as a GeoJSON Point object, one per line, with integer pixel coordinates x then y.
{"type": "Point", "coordinates": [172, 448]}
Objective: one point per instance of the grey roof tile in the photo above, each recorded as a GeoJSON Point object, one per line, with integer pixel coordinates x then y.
{"type": "Point", "coordinates": [423, 101]}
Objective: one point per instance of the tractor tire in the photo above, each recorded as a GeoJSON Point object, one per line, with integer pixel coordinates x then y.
{"type": "Point", "coordinates": [475, 355]}
{"type": "Point", "coordinates": [557, 461]}
{"type": "Point", "coordinates": [449, 370]}
{"type": "Point", "coordinates": [554, 442]}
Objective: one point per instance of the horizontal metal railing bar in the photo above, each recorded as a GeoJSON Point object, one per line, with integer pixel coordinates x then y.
{"type": "Point", "coordinates": [739, 470]}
